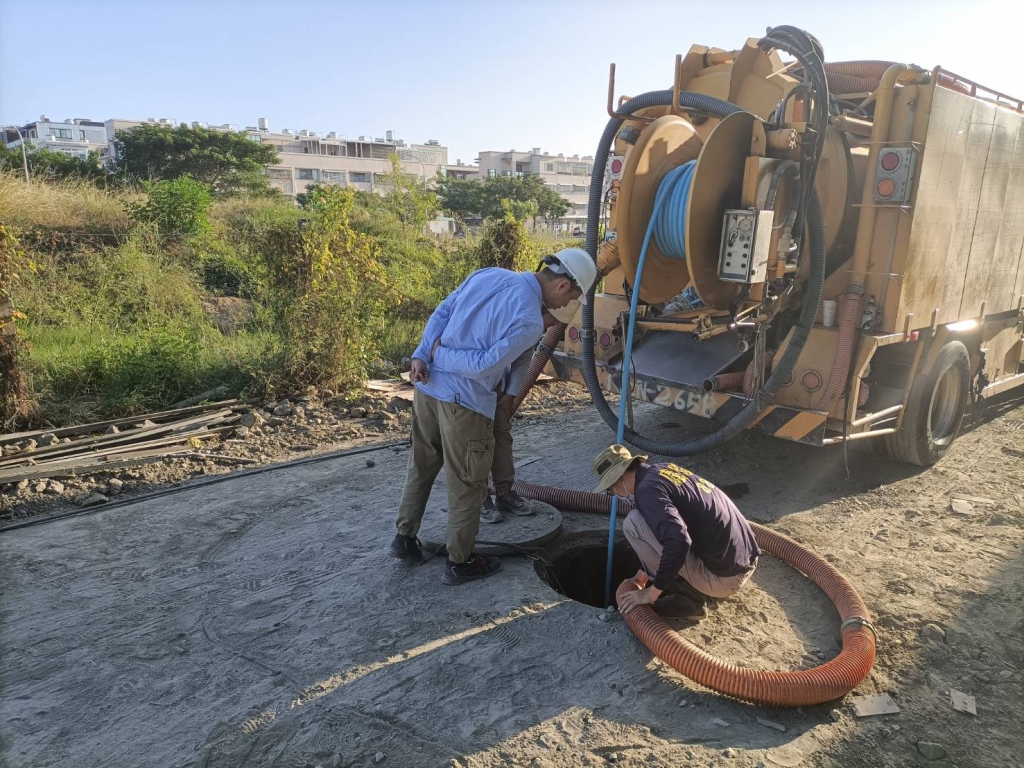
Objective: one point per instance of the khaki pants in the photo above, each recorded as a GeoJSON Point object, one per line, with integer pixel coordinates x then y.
{"type": "Point", "coordinates": [647, 547]}
{"type": "Point", "coordinates": [503, 470]}
{"type": "Point", "coordinates": [462, 441]}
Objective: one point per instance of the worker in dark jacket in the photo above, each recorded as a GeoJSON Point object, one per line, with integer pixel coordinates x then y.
{"type": "Point", "coordinates": [691, 539]}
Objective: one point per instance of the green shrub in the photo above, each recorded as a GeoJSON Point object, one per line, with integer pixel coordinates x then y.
{"type": "Point", "coordinates": [328, 292]}
{"type": "Point", "coordinates": [178, 207]}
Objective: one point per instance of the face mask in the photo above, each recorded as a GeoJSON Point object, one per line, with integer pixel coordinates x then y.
{"type": "Point", "coordinates": [628, 497]}
{"type": "Point", "coordinates": [566, 313]}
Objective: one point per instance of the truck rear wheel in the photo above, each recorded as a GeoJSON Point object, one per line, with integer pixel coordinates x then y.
{"type": "Point", "coordinates": [935, 409]}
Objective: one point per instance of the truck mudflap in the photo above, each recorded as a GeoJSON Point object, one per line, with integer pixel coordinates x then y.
{"type": "Point", "coordinates": [794, 424]}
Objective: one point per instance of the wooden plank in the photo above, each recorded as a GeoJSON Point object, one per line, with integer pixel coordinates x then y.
{"type": "Point", "coordinates": [85, 429]}
{"type": "Point", "coordinates": [90, 462]}
{"type": "Point", "coordinates": [121, 438]}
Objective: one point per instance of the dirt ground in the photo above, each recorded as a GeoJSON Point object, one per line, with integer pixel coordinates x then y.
{"type": "Point", "coordinates": [258, 622]}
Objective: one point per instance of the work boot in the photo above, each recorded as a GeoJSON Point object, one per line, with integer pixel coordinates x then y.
{"type": "Point", "coordinates": [489, 513]}
{"type": "Point", "coordinates": [513, 504]}
{"type": "Point", "coordinates": [670, 606]}
{"type": "Point", "coordinates": [406, 548]}
{"type": "Point", "coordinates": [477, 567]}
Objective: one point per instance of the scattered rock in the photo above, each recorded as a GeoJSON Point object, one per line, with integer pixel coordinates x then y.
{"type": "Point", "coordinates": [111, 430]}
{"type": "Point", "coordinates": [39, 487]}
{"type": "Point", "coordinates": [48, 439]}
{"type": "Point", "coordinates": [371, 463]}
{"type": "Point", "coordinates": [66, 441]}
{"type": "Point", "coordinates": [27, 446]}
{"type": "Point", "coordinates": [682, 702]}
{"type": "Point", "coordinates": [284, 408]}
{"type": "Point", "coordinates": [336, 760]}
{"type": "Point", "coordinates": [454, 763]}
{"type": "Point", "coordinates": [380, 757]}
{"type": "Point", "coordinates": [23, 485]}
{"type": "Point", "coordinates": [730, 752]}
{"type": "Point", "coordinates": [931, 750]}
{"type": "Point", "coordinates": [358, 412]}
{"type": "Point", "coordinates": [241, 432]}
{"type": "Point", "coordinates": [771, 724]}
{"type": "Point", "coordinates": [835, 715]}
{"type": "Point", "coordinates": [91, 499]}
{"type": "Point", "coordinates": [719, 722]}
{"type": "Point", "coordinates": [55, 487]}
{"type": "Point", "coordinates": [933, 633]}
{"type": "Point", "coordinates": [251, 420]}
{"type": "Point", "coordinates": [115, 486]}
{"type": "Point", "coordinates": [998, 519]}
{"type": "Point", "coordinates": [387, 417]}
{"type": "Point", "coordinates": [961, 507]}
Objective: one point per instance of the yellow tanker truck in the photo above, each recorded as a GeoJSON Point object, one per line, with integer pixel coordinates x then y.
{"type": "Point", "coordinates": [828, 252]}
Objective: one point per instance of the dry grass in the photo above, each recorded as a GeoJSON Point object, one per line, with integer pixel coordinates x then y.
{"type": "Point", "coordinates": [69, 206]}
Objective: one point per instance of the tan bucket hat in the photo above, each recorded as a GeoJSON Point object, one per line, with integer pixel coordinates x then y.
{"type": "Point", "coordinates": [611, 464]}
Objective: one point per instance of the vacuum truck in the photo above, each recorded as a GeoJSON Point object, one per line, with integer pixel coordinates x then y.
{"type": "Point", "coordinates": [827, 252]}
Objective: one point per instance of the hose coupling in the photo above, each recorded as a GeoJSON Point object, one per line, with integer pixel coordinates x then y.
{"type": "Point", "coordinates": [858, 621]}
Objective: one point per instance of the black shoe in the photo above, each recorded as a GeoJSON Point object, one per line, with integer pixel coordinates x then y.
{"type": "Point", "coordinates": [683, 588]}
{"type": "Point", "coordinates": [670, 606]}
{"type": "Point", "coordinates": [489, 513]}
{"type": "Point", "coordinates": [406, 548]}
{"type": "Point", "coordinates": [513, 504]}
{"type": "Point", "coordinates": [477, 567]}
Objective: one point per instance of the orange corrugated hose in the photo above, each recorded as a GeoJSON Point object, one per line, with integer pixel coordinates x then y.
{"type": "Point", "coordinates": [806, 687]}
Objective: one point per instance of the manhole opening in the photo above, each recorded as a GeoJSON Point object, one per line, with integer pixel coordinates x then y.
{"type": "Point", "coordinates": [578, 572]}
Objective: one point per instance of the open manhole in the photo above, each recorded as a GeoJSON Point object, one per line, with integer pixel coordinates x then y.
{"type": "Point", "coordinates": [576, 567]}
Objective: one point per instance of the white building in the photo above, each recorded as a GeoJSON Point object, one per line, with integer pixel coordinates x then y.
{"type": "Point", "coordinates": [568, 176]}
{"type": "Point", "coordinates": [308, 157]}
{"type": "Point", "coordinates": [77, 137]}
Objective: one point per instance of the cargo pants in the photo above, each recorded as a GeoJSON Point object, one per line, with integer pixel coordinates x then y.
{"type": "Point", "coordinates": [503, 470]}
{"type": "Point", "coordinates": [462, 441]}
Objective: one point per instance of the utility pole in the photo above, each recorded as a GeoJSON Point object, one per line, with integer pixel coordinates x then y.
{"type": "Point", "coordinates": [24, 156]}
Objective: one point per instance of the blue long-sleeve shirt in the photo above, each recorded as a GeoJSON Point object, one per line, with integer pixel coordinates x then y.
{"type": "Point", "coordinates": [485, 327]}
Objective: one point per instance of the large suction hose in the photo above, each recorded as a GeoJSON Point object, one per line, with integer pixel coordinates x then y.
{"type": "Point", "coordinates": [806, 687]}
{"type": "Point", "coordinates": [812, 295]}
{"type": "Point", "coordinates": [540, 359]}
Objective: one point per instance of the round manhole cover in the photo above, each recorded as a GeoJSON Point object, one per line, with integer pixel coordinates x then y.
{"type": "Point", "coordinates": [503, 538]}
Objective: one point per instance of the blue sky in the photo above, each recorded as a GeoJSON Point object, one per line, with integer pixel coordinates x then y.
{"type": "Point", "coordinates": [475, 75]}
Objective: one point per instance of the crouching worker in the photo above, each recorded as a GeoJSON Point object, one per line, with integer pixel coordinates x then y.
{"type": "Point", "coordinates": [691, 539]}
{"type": "Point", "coordinates": [470, 341]}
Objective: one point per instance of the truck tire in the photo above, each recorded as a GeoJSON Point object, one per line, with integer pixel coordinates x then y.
{"type": "Point", "coordinates": [935, 409]}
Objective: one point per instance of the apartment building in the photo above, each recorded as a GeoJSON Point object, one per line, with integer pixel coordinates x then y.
{"type": "Point", "coordinates": [568, 176]}
{"type": "Point", "coordinates": [78, 136]}
{"type": "Point", "coordinates": [308, 157]}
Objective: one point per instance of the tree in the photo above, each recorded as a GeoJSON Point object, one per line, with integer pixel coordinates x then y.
{"type": "Point", "coordinates": [227, 162]}
{"type": "Point", "coordinates": [459, 198]}
{"type": "Point", "coordinates": [49, 165]}
{"type": "Point", "coordinates": [522, 196]}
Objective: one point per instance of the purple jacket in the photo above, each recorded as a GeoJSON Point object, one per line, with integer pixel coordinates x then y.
{"type": "Point", "coordinates": [688, 513]}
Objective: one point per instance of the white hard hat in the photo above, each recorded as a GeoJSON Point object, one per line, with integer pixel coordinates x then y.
{"type": "Point", "coordinates": [576, 263]}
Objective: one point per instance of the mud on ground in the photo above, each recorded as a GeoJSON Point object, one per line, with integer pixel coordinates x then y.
{"type": "Point", "coordinates": [257, 622]}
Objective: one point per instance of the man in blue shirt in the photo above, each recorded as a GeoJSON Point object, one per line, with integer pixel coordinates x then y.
{"type": "Point", "coordinates": [470, 341]}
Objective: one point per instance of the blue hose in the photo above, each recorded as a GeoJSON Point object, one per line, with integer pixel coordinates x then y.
{"type": "Point", "coordinates": [668, 226]}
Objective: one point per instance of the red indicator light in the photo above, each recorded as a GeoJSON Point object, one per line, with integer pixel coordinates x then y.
{"type": "Point", "coordinates": [605, 340]}
{"type": "Point", "coordinates": [574, 333]}
{"type": "Point", "coordinates": [886, 188]}
{"type": "Point", "coordinates": [890, 161]}
{"type": "Point", "coordinates": [811, 381]}
{"type": "Point", "coordinates": [616, 167]}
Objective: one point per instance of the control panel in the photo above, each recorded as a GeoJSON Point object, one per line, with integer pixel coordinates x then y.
{"type": "Point", "coordinates": [746, 238]}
